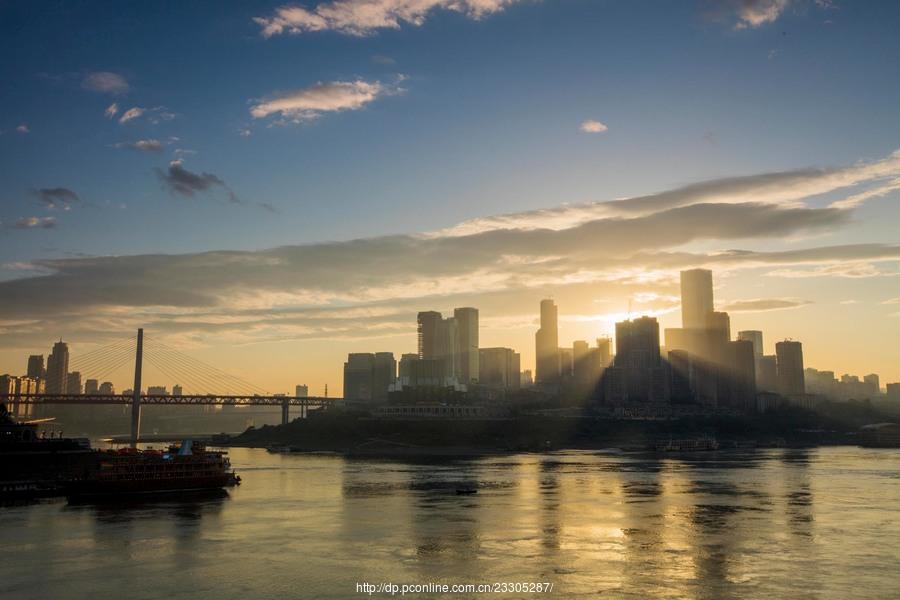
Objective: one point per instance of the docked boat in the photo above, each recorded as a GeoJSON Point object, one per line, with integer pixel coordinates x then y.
{"type": "Point", "coordinates": [188, 468]}
{"type": "Point", "coordinates": [700, 444]}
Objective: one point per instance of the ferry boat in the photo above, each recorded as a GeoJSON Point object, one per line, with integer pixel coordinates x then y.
{"type": "Point", "coordinates": [688, 445]}
{"type": "Point", "coordinates": [188, 468]}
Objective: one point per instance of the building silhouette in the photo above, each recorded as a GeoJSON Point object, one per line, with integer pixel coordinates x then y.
{"type": "Point", "coordinates": [500, 368]}
{"type": "Point", "coordinates": [58, 369]}
{"type": "Point", "coordinates": [91, 387]}
{"type": "Point", "coordinates": [696, 298]}
{"type": "Point", "coordinates": [36, 367]}
{"type": "Point", "coordinates": [547, 368]}
{"type": "Point", "coordinates": [467, 340]}
{"type": "Point", "coordinates": [301, 390]}
{"type": "Point", "coordinates": [368, 376]}
{"type": "Point", "coordinates": [790, 368]}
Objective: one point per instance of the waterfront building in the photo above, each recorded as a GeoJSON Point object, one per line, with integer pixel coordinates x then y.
{"type": "Point", "coordinates": [91, 387]}
{"type": "Point", "coordinates": [547, 345]}
{"type": "Point", "coordinates": [790, 368]}
{"type": "Point", "coordinates": [301, 390]}
{"type": "Point", "coordinates": [73, 383]}
{"type": "Point", "coordinates": [58, 368]}
{"type": "Point", "coordinates": [177, 390]}
{"type": "Point", "coordinates": [368, 376]}
{"type": "Point", "coordinates": [107, 389]}
{"type": "Point", "coordinates": [36, 367]}
{"type": "Point", "coordinates": [767, 375]}
{"type": "Point", "coordinates": [467, 340]}
{"type": "Point", "coordinates": [696, 298]}
{"type": "Point", "coordinates": [499, 367]}
{"type": "Point", "coordinates": [157, 390]}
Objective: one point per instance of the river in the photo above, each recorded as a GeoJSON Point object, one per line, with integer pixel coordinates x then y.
{"type": "Point", "coordinates": [820, 523]}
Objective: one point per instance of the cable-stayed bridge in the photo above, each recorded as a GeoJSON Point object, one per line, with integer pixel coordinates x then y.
{"type": "Point", "coordinates": [201, 384]}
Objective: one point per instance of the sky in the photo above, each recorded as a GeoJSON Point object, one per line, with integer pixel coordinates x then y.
{"type": "Point", "coordinates": [269, 186]}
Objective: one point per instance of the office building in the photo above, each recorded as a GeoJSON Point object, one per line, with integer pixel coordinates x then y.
{"type": "Point", "coordinates": [547, 345]}
{"type": "Point", "coordinates": [428, 333]}
{"type": "Point", "coordinates": [467, 344]}
{"type": "Point", "coordinates": [36, 367]}
{"type": "Point", "coordinates": [637, 343]}
{"type": "Point", "coordinates": [873, 384]}
{"type": "Point", "coordinates": [767, 374]}
{"type": "Point", "coordinates": [696, 298]}
{"type": "Point", "coordinates": [58, 369]}
{"type": "Point", "coordinates": [301, 391]}
{"type": "Point", "coordinates": [107, 389]}
{"type": "Point", "coordinates": [790, 368]}
{"type": "Point", "coordinates": [499, 367]}
{"type": "Point", "coordinates": [73, 383]}
{"type": "Point", "coordinates": [755, 338]}
{"type": "Point", "coordinates": [638, 374]}
{"type": "Point", "coordinates": [368, 376]}
{"type": "Point", "coordinates": [91, 387]}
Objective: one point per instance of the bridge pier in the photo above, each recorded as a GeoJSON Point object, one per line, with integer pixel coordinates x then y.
{"type": "Point", "coordinates": [285, 411]}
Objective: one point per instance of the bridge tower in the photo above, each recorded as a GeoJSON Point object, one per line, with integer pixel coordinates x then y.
{"type": "Point", "coordinates": [136, 394]}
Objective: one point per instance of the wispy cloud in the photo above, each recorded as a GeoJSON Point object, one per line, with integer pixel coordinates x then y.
{"type": "Point", "coordinates": [111, 111]}
{"type": "Point", "coordinates": [105, 82]}
{"type": "Point", "coordinates": [591, 126]}
{"type": "Point", "coordinates": [35, 223]}
{"type": "Point", "coordinates": [150, 145]}
{"type": "Point", "coordinates": [23, 128]}
{"type": "Point", "coordinates": [764, 304]}
{"type": "Point", "coordinates": [364, 17]}
{"type": "Point", "coordinates": [312, 102]}
{"type": "Point", "coordinates": [58, 197]}
{"type": "Point", "coordinates": [132, 114]}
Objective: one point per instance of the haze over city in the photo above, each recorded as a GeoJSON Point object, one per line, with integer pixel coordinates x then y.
{"type": "Point", "coordinates": [275, 188]}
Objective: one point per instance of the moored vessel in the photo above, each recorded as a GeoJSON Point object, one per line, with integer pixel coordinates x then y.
{"type": "Point", "coordinates": [188, 468]}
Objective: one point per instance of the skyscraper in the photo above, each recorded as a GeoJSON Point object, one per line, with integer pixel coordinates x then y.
{"type": "Point", "coordinates": [467, 332]}
{"type": "Point", "coordinates": [73, 383]}
{"type": "Point", "coordinates": [637, 343]}
{"type": "Point", "coordinates": [36, 366]}
{"type": "Point", "coordinates": [754, 337]}
{"type": "Point", "coordinates": [427, 332]}
{"type": "Point", "coordinates": [790, 368]}
{"type": "Point", "coordinates": [499, 367]}
{"type": "Point", "coordinates": [547, 344]}
{"type": "Point", "coordinates": [873, 384]}
{"type": "Point", "coordinates": [358, 371]}
{"type": "Point", "coordinates": [383, 375]}
{"type": "Point", "coordinates": [696, 298]}
{"type": "Point", "coordinates": [638, 369]}
{"type": "Point", "coordinates": [58, 369]}
{"type": "Point", "coordinates": [91, 387]}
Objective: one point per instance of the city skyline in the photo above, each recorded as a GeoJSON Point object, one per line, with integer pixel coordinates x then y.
{"type": "Point", "coordinates": [275, 213]}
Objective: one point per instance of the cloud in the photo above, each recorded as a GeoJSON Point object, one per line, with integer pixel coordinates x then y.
{"type": "Point", "coordinates": [23, 128]}
{"type": "Point", "coordinates": [590, 126]}
{"type": "Point", "coordinates": [312, 102]}
{"type": "Point", "coordinates": [58, 197]}
{"type": "Point", "coordinates": [179, 181]}
{"type": "Point", "coordinates": [105, 82]}
{"type": "Point", "coordinates": [111, 110]}
{"type": "Point", "coordinates": [150, 145]}
{"type": "Point", "coordinates": [632, 249]}
{"type": "Point", "coordinates": [753, 13]}
{"type": "Point", "coordinates": [131, 114]}
{"type": "Point", "coordinates": [892, 301]}
{"type": "Point", "coordinates": [764, 304]}
{"type": "Point", "coordinates": [785, 188]}
{"type": "Point", "coordinates": [35, 223]}
{"type": "Point", "coordinates": [364, 17]}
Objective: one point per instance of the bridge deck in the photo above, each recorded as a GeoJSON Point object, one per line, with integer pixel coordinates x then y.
{"type": "Point", "coordinates": [184, 400]}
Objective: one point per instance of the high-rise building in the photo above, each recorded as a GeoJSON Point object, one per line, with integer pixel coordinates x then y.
{"type": "Point", "coordinates": [566, 362]}
{"type": "Point", "coordinates": [107, 389]}
{"type": "Point", "coordinates": [755, 338]}
{"type": "Point", "coordinates": [547, 344]}
{"type": "Point", "coordinates": [467, 332]}
{"type": "Point", "coordinates": [604, 349]}
{"type": "Point", "coordinates": [58, 369]}
{"type": "Point", "coordinates": [91, 387]}
{"type": "Point", "coordinates": [428, 333]}
{"type": "Point", "coordinates": [696, 298]}
{"type": "Point", "coordinates": [177, 390]}
{"type": "Point", "coordinates": [790, 368]}
{"type": "Point", "coordinates": [637, 343]}
{"type": "Point", "coordinates": [358, 371]}
{"type": "Point", "coordinates": [581, 367]}
{"type": "Point", "coordinates": [893, 392]}
{"type": "Point", "coordinates": [36, 367]}
{"type": "Point", "coordinates": [499, 367]}
{"type": "Point", "coordinates": [767, 374]}
{"type": "Point", "coordinates": [384, 373]}
{"type": "Point", "coordinates": [368, 376]}
{"type": "Point", "coordinates": [638, 374]}
{"type": "Point", "coordinates": [739, 375]}
{"type": "Point", "coordinates": [301, 390]}
{"type": "Point", "coordinates": [718, 324]}
{"type": "Point", "coordinates": [157, 390]}
{"type": "Point", "coordinates": [873, 384]}
{"type": "Point", "coordinates": [73, 383]}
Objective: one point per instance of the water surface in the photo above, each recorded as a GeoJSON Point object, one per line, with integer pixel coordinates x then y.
{"type": "Point", "coordinates": [821, 523]}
